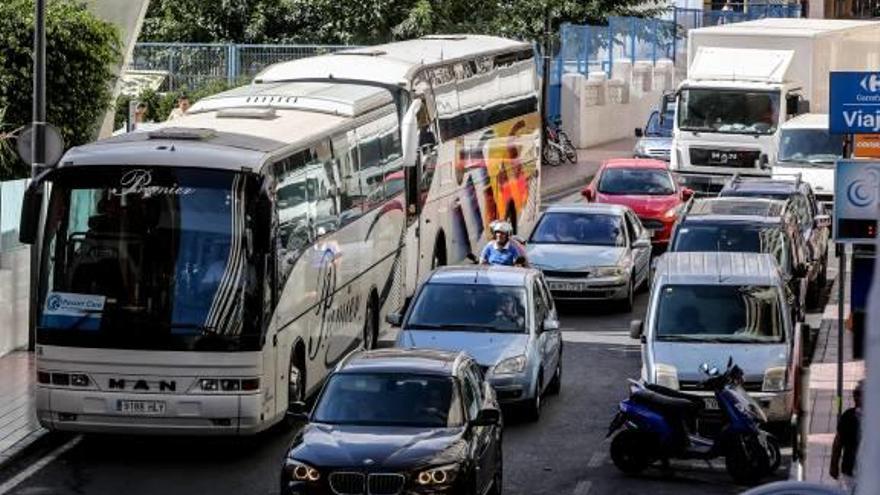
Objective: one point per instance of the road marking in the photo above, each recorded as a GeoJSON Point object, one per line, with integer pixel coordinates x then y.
{"type": "Point", "coordinates": [40, 464]}
{"type": "Point", "coordinates": [583, 488]}
{"type": "Point", "coordinates": [597, 460]}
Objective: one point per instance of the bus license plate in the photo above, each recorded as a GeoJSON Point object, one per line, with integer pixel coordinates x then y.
{"type": "Point", "coordinates": [568, 286]}
{"type": "Point", "coordinates": [145, 407]}
{"type": "Point", "coordinates": [711, 403]}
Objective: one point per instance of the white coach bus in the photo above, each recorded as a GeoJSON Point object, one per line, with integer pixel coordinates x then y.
{"type": "Point", "coordinates": [199, 277]}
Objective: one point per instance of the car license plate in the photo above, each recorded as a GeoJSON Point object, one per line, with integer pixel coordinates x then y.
{"type": "Point", "coordinates": [569, 286]}
{"type": "Point", "coordinates": [711, 403]}
{"type": "Point", "coordinates": [145, 407]}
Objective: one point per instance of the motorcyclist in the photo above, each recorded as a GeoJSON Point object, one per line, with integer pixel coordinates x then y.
{"type": "Point", "coordinates": [503, 250]}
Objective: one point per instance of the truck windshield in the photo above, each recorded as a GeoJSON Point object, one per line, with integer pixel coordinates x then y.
{"type": "Point", "coordinates": [728, 111]}
{"type": "Point", "coordinates": [810, 147]}
{"type": "Point", "coordinates": [149, 258]}
{"type": "Point", "coordinates": [720, 313]}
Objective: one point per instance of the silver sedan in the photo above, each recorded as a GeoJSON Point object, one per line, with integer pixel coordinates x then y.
{"type": "Point", "coordinates": [591, 251]}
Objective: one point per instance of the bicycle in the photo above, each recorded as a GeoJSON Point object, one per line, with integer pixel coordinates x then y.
{"type": "Point", "coordinates": [559, 146]}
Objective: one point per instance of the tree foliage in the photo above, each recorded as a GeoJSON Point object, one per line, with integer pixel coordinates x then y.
{"type": "Point", "coordinates": [368, 21]}
{"type": "Point", "coordinates": [80, 51]}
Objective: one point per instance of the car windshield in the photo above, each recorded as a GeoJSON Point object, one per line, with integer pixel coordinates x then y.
{"type": "Point", "coordinates": [150, 258]}
{"type": "Point", "coordinates": [728, 111]}
{"type": "Point", "coordinates": [660, 127]}
{"type": "Point", "coordinates": [719, 313]}
{"type": "Point", "coordinates": [482, 308]}
{"type": "Point", "coordinates": [636, 181]}
{"type": "Point", "coordinates": [739, 238]}
{"type": "Point", "coordinates": [590, 229]}
{"type": "Point", "coordinates": [811, 147]}
{"type": "Point", "coordinates": [393, 399]}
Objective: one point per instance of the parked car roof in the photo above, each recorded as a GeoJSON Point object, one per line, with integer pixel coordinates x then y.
{"type": "Point", "coordinates": [398, 360]}
{"type": "Point", "coordinates": [482, 275]}
{"type": "Point", "coordinates": [606, 208]}
{"type": "Point", "coordinates": [636, 163]}
{"type": "Point", "coordinates": [711, 268]}
{"type": "Point", "coordinates": [736, 207]}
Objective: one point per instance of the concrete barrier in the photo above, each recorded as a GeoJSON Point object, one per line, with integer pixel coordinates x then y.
{"type": "Point", "coordinates": [596, 110]}
{"type": "Point", "coordinates": [14, 282]}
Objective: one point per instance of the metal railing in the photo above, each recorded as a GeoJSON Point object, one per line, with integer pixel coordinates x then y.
{"type": "Point", "coordinates": [193, 65]}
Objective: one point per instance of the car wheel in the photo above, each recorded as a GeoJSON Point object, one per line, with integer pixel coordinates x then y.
{"type": "Point", "coordinates": [498, 479]}
{"type": "Point", "coordinates": [296, 385]}
{"type": "Point", "coordinates": [533, 407]}
{"type": "Point", "coordinates": [556, 383]}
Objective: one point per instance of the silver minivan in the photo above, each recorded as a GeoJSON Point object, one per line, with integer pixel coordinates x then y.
{"type": "Point", "coordinates": [710, 307]}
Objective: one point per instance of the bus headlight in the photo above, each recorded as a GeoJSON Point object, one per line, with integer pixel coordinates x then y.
{"type": "Point", "coordinates": [221, 385]}
{"type": "Point", "coordinates": [666, 375]}
{"type": "Point", "coordinates": [774, 380]}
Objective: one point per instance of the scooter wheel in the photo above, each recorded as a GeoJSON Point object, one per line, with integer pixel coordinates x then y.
{"type": "Point", "coordinates": [775, 454]}
{"type": "Point", "coordinates": [629, 451]}
{"type": "Point", "coordinates": [746, 460]}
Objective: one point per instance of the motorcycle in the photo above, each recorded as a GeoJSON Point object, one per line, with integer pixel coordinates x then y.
{"type": "Point", "coordinates": [653, 425]}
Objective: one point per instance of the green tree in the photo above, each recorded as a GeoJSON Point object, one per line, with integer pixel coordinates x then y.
{"type": "Point", "coordinates": [368, 21]}
{"type": "Point", "coordinates": [80, 51]}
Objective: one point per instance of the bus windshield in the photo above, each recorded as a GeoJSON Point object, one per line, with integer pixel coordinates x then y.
{"type": "Point", "coordinates": [149, 258]}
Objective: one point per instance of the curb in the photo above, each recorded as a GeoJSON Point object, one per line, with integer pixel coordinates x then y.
{"type": "Point", "coordinates": [22, 447]}
{"type": "Point", "coordinates": [569, 187]}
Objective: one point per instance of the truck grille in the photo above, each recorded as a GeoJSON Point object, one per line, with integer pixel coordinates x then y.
{"type": "Point", "coordinates": [347, 483]}
{"type": "Point", "coordinates": [386, 483]}
{"type": "Point", "coordinates": [707, 157]}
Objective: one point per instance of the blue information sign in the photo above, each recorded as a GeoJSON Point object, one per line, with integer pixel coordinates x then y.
{"type": "Point", "coordinates": [856, 201]}
{"type": "Point", "coordinates": [855, 103]}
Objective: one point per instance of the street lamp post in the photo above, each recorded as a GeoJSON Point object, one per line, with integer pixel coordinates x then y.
{"type": "Point", "coordinates": [38, 147]}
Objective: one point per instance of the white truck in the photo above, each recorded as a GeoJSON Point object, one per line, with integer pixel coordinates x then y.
{"type": "Point", "coordinates": [746, 79]}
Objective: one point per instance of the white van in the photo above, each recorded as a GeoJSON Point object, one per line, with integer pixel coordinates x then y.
{"type": "Point", "coordinates": [806, 148]}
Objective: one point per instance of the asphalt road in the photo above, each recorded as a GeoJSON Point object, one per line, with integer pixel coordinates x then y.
{"type": "Point", "coordinates": [564, 453]}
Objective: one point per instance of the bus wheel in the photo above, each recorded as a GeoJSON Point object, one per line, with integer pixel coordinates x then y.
{"type": "Point", "coordinates": [296, 381]}
{"type": "Point", "coordinates": [438, 259]}
{"type": "Point", "coordinates": [371, 325]}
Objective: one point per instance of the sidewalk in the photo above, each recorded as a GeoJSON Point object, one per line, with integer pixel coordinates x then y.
{"type": "Point", "coordinates": [566, 177]}
{"type": "Point", "coordinates": [18, 421]}
{"type": "Point", "coordinates": [823, 390]}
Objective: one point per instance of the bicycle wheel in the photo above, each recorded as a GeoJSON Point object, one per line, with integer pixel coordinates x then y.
{"type": "Point", "coordinates": [568, 148]}
{"type": "Point", "coordinates": [552, 154]}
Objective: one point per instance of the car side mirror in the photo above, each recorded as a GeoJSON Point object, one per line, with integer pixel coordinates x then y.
{"type": "Point", "coordinates": [587, 193]}
{"type": "Point", "coordinates": [394, 319]}
{"type": "Point", "coordinates": [636, 327]}
{"type": "Point", "coordinates": [822, 221]}
{"type": "Point", "coordinates": [642, 242]}
{"type": "Point", "coordinates": [687, 193]}
{"type": "Point", "coordinates": [487, 417]}
{"type": "Point", "coordinates": [791, 105]}
{"type": "Point", "coordinates": [409, 134]}
{"type": "Point", "coordinates": [298, 411]}
{"type": "Point", "coordinates": [550, 324]}
{"type": "Point", "coordinates": [639, 132]}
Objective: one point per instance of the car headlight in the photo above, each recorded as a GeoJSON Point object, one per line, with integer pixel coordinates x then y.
{"type": "Point", "coordinates": [607, 271]}
{"type": "Point", "coordinates": [774, 380]}
{"type": "Point", "coordinates": [673, 212]}
{"type": "Point", "coordinates": [510, 366]}
{"type": "Point", "coordinates": [300, 471]}
{"type": "Point", "coordinates": [442, 475]}
{"type": "Point", "coordinates": [666, 375]}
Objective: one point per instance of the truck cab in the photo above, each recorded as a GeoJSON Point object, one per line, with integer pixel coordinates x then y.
{"type": "Point", "coordinates": [729, 113]}
{"type": "Point", "coordinates": [808, 150]}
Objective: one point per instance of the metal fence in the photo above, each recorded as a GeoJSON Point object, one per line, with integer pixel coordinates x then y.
{"type": "Point", "coordinates": [193, 65]}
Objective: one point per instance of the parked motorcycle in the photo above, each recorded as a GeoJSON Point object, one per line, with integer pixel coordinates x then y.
{"type": "Point", "coordinates": [653, 425]}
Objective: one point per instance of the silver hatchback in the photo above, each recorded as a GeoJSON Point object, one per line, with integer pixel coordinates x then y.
{"type": "Point", "coordinates": [502, 316]}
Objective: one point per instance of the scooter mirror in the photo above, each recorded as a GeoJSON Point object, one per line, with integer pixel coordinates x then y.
{"type": "Point", "coordinates": [704, 368]}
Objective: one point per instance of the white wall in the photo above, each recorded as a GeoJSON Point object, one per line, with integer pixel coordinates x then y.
{"type": "Point", "coordinates": [14, 281]}
{"type": "Point", "coordinates": [596, 111]}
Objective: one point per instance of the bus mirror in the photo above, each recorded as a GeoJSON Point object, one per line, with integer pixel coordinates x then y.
{"type": "Point", "coordinates": [30, 213]}
{"type": "Point", "coordinates": [409, 134]}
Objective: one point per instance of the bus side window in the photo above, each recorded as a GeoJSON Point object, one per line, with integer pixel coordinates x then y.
{"type": "Point", "coordinates": [292, 191]}
{"type": "Point", "coordinates": [344, 150]}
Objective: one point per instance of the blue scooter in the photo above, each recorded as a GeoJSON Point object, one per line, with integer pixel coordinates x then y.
{"type": "Point", "coordinates": [652, 425]}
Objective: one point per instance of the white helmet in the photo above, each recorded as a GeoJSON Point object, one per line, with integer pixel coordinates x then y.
{"type": "Point", "coordinates": [502, 226]}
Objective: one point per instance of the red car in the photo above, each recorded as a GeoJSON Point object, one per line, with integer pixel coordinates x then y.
{"type": "Point", "coordinates": [644, 185]}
